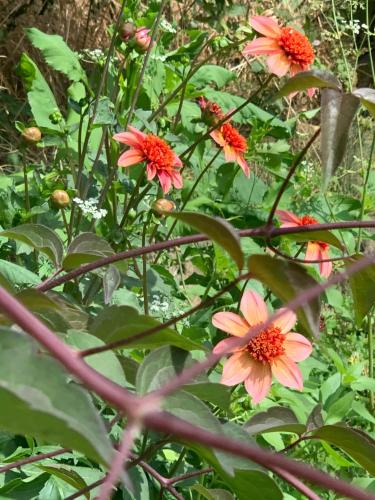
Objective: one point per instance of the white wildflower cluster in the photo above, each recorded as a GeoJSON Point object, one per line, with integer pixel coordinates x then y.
{"type": "Point", "coordinates": [90, 207]}
{"type": "Point", "coordinates": [93, 55]}
{"type": "Point", "coordinates": [166, 26]}
{"type": "Point", "coordinates": [354, 25]}
{"type": "Point", "coordinates": [159, 306]}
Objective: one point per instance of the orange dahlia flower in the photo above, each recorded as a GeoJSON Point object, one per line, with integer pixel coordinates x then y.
{"type": "Point", "coordinates": [274, 351]}
{"type": "Point", "coordinates": [234, 145]}
{"type": "Point", "coordinates": [287, 49]}
{"type": "Point", "coordinates": [159, 157]}
{"type": "Point", "coordinates": [316, 250]}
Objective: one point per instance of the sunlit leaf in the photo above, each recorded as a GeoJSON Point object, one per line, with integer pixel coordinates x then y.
{"type": "Point", "coordinates": [367, 98]}
{"type": "Point", "coordinates": [288, 280]}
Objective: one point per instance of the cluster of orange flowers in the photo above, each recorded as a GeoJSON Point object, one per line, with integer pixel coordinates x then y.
{"type": "Point", "coordinates": [275, 350]}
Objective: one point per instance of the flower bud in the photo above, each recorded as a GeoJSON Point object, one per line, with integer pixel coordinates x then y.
{"type": "Point", "coordinates": [32, 134]}
{"type": "Point", "coordinates": [60, 198]}
{"type": "Point", "coordinates": [142, 39]}
{"type": "Point", "coordinates": [163, 205]}
{"type": "Point", "coordinates": [127, 31]}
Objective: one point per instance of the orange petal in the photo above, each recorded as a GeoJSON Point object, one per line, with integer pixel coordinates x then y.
{"type": "Point", "coordinates": [226, 346]}
{"type": "Point", "coordinates": [288, 219]}
{"type": "Point", "coordinates": [287, 321]}
{"type": "Point", "coordinates": [266, 26]}
{"type": "Point", "coordinates": [140, 135]}
{"type": "Point", "coordinates": [229, 153]}
{"type": "Point", "coordinates": [236, 369]}
{"type": "Point", "coordinates": [230, 323]}
{"type": "Point", "coordinates": [243, 164]}
{"type": "Point", "coordinates": [313, 251]}
{"type": "Point", "coordinates": [165, 181]}
{"type": "Point", "coordinates": [253, 308]}
{"type": "Point", "coordinates": [287, 372]}
{"type": "Point", "coordinates": [130, 157]}
{"type": "Point", "coordinates": [177, 180]}
{"type": "Point", "coordinates": [217, 136]}
{"type": "Point", "coordinates": [325, 268]}
{"type": "Point", "coordinates": [259, 381]}
{"type": "Point", "coordinates": [278, 64]}
{"type": "Point", "coordinates": [297, 347]}
{"type": "Point", "coordinates": [127, 138]}
{"type": "Point", "coordinates": [262, 46]}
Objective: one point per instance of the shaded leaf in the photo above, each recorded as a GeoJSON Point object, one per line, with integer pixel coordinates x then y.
{"type": "Point", "coordinates": [362, 285]}
{"type": "Point", "coordinates": [57, 54]}
{"type": "Point", "coordinates": [218, 230]}
{"type": "Point", "coordinates": [287, 280]}
{"type": "Point", "coordinates": [85, 248]}
{"type": "Point", "coordinates": [315, 78]}
{"type": "Point", "coordinates": [275, 419]}
{"type": "Point", "coordinates": [17, 275]}
{"type": "Point", "coordinates": [125, 322]}
{"type": "Point", "coordinates": [111, 281]}
{"type": "Point", "coordinates": [66, 474]}
{"type": "Point", "coordinates": [315, 419]}
{"type": "Point", "coordinates": [217, 394]}
{"type": "Point", "coordinates": [355, 443]}
{"type": "Point", "coordinates": [212, 493]}
{"type": "Point", "coordinates": [210, 73]}
{"type": "Point", "coordinates": [37, 400]}
{"type": "Point", "coordinates": [39, 237]}
{"type": "Point", "coordinates": [337, 113]}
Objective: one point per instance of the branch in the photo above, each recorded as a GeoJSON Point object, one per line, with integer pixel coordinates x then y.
{"type": "Point", "coordinates": [35, 458]}
{"type": "Point", "coordinates": [110, 481]}
{"type": "Point", "coordinates": [297, 484]}
{"type": "Point", "coordinates": [188, 475]}
{"type": "Point", "coordinates": [261, 232]}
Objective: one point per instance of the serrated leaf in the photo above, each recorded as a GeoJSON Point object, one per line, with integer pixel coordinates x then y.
{"type": "Point", "coordinates": [66, 474]}
{"type": "Point", "coordinates": [357, 444]}
{"type": "Point", "coordinates": [39, 237]}
{"type": "Point", "coordinates": [315, 78]}
{"type": "Point", "coordinates": [367, 98]}
{"type": "Point", "coordinates": [126, 322]}
{"type": "Point", "coordinates": [210, 73]}
{"type": "Point", "coordinates": [85, 248]}
{"type": "Point", "coordinates": [325, 236]}
{"type": "Point", "coordinates": [275, 419]}
{"type": "Point", "coordinates": [39, 94]}
{"type": "Point", "coordinates": [362, 285]}
{"type": "Point", "coordinates": [37, 400]}
{"type": "Point", "coordinates": [57, 54]}
{"type": "Point", "coordinates": [287, 280]}
{"type": "Point", "coordinates": [337, 113]}
{"type": "Point", "coordinates": [218, 230]}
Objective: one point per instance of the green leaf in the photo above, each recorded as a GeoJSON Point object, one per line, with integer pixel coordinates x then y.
{"type": "Point", "coordinates": [85, 248]}
{"type": "Point", "coordinates": [126, 322]}
{"type": "Point", "coordinates": [355, 443]}
{"type": "Point", "coordinates": [218, 230]}
{"type": "Point", "coordinates": [362, 285]}
{"type": "Point", "coordinates": [104, 113]}
{"type": "Point", "coordinates": [337, 113]}
{"type": "Point", "coordinates": [17, 275]}
{"type": "Point", "coordinates": [39, 94]}
{"type": "Point", "coordinates": [105, 362]}
{"type": "Point", "coordinates": [340, 408]}
{"type": "Point", "coordinates": [210, 73]}
{"type": "Point", "coordinates": [367, 98]}
{"type": "Point", "coordinates": [288, 280]}
{"type": "Point", "coordinates": [325, 236]}
{"type": "Point", "coordinates": [160, 366]}
{"type": "Point", "coordinates": [217, 394]}
{"type": "Point", "coordinates": [111, 281]}
{"type": "Point", "coordinates": [363, 384]}
{"type": "Point", "coordinates": [315, 78]}
{"type": "Point", "coordinates": [275, 419]}
{"type": "Point", "coordinates": [57, 54]}
{"type": "Point", "coordinates": [66, 474]}
{"type": "Point", "coordinates": [212, 493]}
{"type": "Point", "coordinates": [37, 400]}
{"type": "Point", "coordinates": [39, 237]}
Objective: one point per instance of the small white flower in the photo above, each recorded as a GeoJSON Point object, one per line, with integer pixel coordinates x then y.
{"type": "Point", "coordinates": [89, 207]}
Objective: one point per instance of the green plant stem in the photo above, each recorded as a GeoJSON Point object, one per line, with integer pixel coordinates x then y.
{"type": "Point", "coordinates": [370, 340]}
{"type": "Point", "coordinates": [26, 182]}
{"type": "Point", "coordinates": [364, 192]}
{"type": "Point", "coordinates": [134, 196]}
{"type": "Point", "coordinates": [67, 228]}
{"type": "Point", "coordinates": [190, 194]}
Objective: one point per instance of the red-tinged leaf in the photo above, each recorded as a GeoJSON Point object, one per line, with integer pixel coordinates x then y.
{"type": "Point", "coordinates": [337, 113]}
